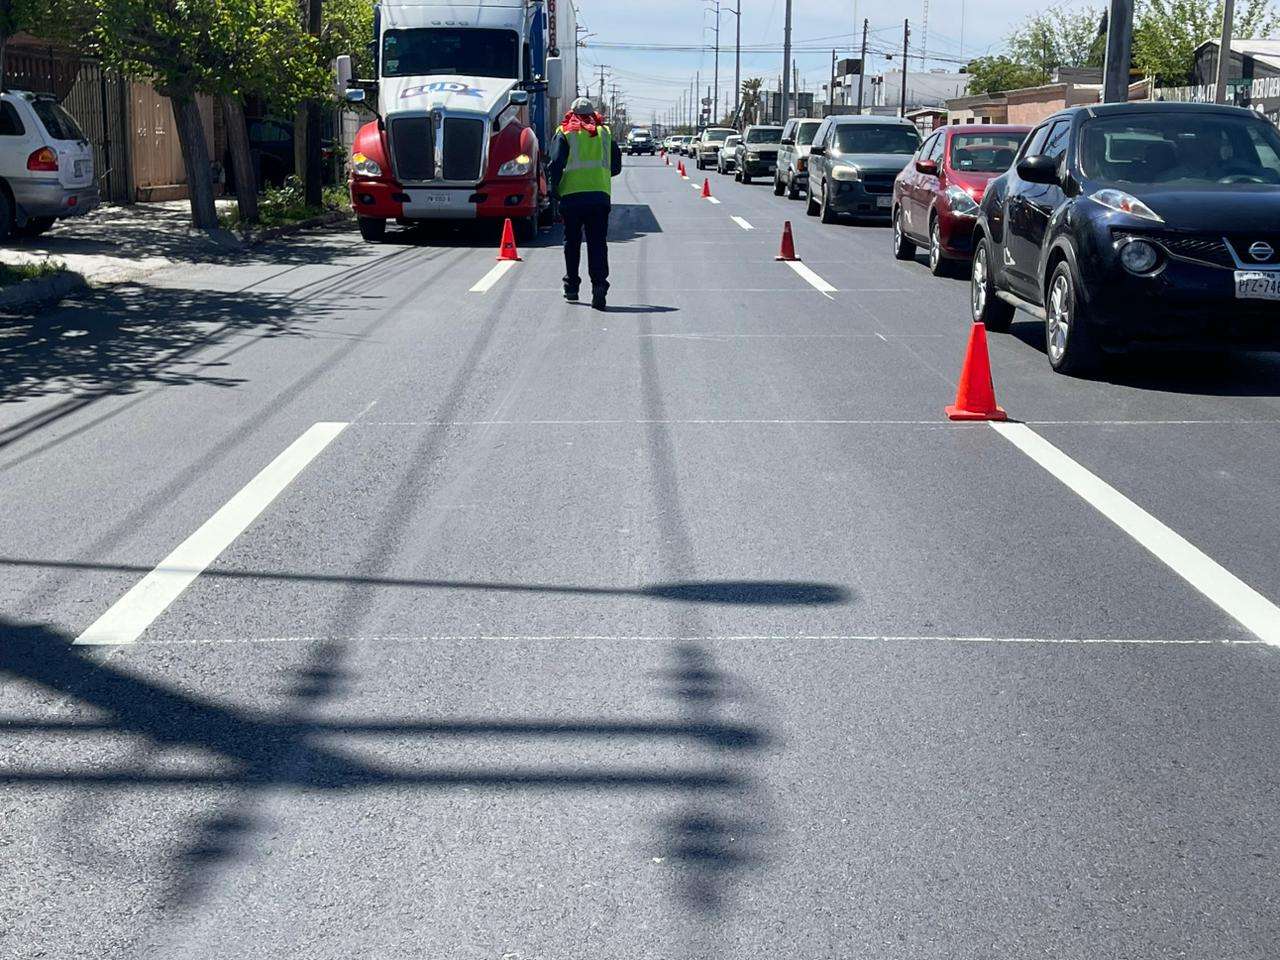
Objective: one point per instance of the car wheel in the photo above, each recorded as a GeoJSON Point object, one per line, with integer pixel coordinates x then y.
{"type": "Point", "coordinates": [737, 175]}
{"type": "Point", "coordinates": [746, 177]}
{"type": "Point", "coordinates": [35, 226]}
{"type": "Point", "coordinates": [6, 216]}
{"type": "Point", "coordinates": [939, 266]}
{"type": "Point", "coordinates": [828, 215]}
{"type": "Point", "coordinates": [1068, 340]}
{"type": "Point", "coordinates": [985, 307]}
{"type": "Point", "coordinates": [903, 247]}
{"type": "Point", "coordinates": [811, 206]}
{"type": "Point", "coordinates": [372, 229]}
{"type": "Point", "coordinates": [778, 186]}
{"type": "Point", "coordinates": [793, 192]}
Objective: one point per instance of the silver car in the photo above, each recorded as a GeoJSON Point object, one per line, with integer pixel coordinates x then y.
{"type": "Point", "coordinates": [727, 159]}
{"type": "Point", "coordinates": [792, 175]}
{"type": "Point", "coordinates": [46, 163]}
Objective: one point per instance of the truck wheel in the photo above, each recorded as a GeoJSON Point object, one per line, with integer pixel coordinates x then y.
{"type": "Point", "coordinates": [1068, 341]}
{"type": "Point", "coordinates": [778, 187]}
{"type": "Point", "coordinates": [985, 307]}
{"type": "Point", "coordinates": [35, 226]}
{"type": "Point", "coordinates": [811, 205]}
{"type": "Point", "coordinates": [793, 192]}
{"type": "Point", "coordinates": [527, 229]}
{"type": "Point", "coordinates": [745, 178]}
{"type": "Point", "coordinates": [828, 215]}
{"type": "Point", "coordinates": [372, 229]}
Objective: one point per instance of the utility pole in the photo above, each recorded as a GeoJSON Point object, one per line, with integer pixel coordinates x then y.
{"type": "Point", "coordinates": [697, 98]}
{"type": "Point", "coordinates": [1224, 52]}
{"type": "Point", "coordinates": [831, 90]}
{"type": "Point", "coordinates": [603, 67]}
{"type": "Point", "coordinates": [737, 66]}
{"type": "Point", "coordinates": [716, 101]}
{"type": "Point", "coordinates": [1115, 72]}
{"type": "Point", "coordinates": [862, 72]}
{"type": "Point", "coordinates": [786, 66]}
{"type": "Point", "coordinates": [312, 187]}
{"type": "Point", "coordinates": [906, 35]}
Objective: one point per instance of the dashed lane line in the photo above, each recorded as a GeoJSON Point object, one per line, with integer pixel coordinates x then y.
{"type": "Point", "coordinates": [811, 278]}
{"type": "Point", "coordinates": [1232, 595]}
{"type": "Point", "coordinates": [130, 616]}
{"type": "Point", "coordinates": [742, 223]}
{"type": "Point", "coordinates": [485, 283]}
{"type": "Point", "coordinates": [712, 200]}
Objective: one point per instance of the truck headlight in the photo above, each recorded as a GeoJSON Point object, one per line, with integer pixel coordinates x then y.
{"type": "Point", "coordinates": [846, 173]}
{"type": "Point", "coordinates": [961, 202]}
{"type": "Point", "coordinates": [365, 167]}
{"type": "Point", "coordinates": [753, 156]}
{"type": "Point", "coordinates": [517, 167]}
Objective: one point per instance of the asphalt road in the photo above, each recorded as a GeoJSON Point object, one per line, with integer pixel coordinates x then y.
{"type": "Point", "coordinates": [689, 630]}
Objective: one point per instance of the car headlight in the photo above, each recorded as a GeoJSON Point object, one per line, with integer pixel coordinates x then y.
{"type": "Point", "coordinates": [1139, 256]}
{"type": "Point", "coordinates": [1125, 203]}
{"type": "Point", "coordinates": [961, 202]}
{"type": "Point", "coordinates": [753, 156]}
{"type": "Point", "coordinates": [365, 167]}
{"type": "Point", "coordinates": [517, 167]}
{"type": "Point", "coordinates": [846, 173]}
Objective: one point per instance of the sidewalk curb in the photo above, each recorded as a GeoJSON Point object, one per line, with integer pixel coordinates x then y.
{"type": "Point", "coordinates": [252, 238]}
{"type": "Point", "coordinates": [42, 292]}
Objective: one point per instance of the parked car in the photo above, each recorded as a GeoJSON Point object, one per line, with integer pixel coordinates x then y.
{"type": "Point", "coordinates": [707, 147]}
{"type": "Point", "coordinates": [686, 145]}
{"type": "Point", "coordinates": [46, 165]}
{"type": "Point", "coordinates": [758, 152]}
{"type": "Point", "coordinates": [641, 141]}
{"type": "Point", "coordinates": [853, 163]}
{"type": "Point", "coordinates": [727, 158]}
{"type": "Point", "coordinates": [1135, 223]}
{"type": "Point", "coordinates": [792, 174]}
{"type": "Point", "coordinates": [936, 196]}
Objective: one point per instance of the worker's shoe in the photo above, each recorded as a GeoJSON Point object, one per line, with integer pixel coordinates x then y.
{"type": "Point", "coordinates": [598, 297]}
{"type": "Point", "coordinates": [571, 291]}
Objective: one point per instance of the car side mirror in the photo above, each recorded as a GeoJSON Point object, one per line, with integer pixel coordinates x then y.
{"type": "Point", "coordinates": [788, 142]}
{"type": "Point", "coordinates": [1039, 169]}
{"type": "Point", "coordinates": [927, 167]}
{"type": "Point", "coordinates": [817, 151]}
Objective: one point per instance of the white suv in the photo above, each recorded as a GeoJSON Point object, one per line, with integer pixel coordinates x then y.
{"type": "Point", "coordinates": [46, 165]}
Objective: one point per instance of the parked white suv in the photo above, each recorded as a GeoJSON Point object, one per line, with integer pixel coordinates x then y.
{"type": "Point", "coordinates": [46, 165]}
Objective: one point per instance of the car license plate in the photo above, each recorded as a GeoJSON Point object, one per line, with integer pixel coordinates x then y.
{"type": "Point", "coordinates": [81, 167]}
{"type": "Point", "coordinates": [884, 202]}
{"type": "Point", "coordinates": [1257, 285]}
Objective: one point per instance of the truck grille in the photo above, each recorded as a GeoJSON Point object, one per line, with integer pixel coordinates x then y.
{"type": "Point", "coordinates": [463, 149]}
{"type": "Point", "coordinates": [413, 149]}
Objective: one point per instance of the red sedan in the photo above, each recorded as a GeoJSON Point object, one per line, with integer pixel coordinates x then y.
{"type": "Point", "coordinates": [936, 197]}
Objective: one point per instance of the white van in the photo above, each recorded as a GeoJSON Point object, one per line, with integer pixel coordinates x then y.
{"type": "Point", "coordinates": [46, 165]}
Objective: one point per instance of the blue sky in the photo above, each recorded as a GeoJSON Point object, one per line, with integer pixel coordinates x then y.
{"type": "Point", "coordinates": [651, 81]}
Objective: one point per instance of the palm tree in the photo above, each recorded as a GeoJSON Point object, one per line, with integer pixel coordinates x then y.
{"type": "Point", "coordinates": [751, 100]}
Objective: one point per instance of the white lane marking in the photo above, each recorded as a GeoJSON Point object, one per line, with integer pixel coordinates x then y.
{"type": "Point", "coordinates": [883, 337]}
{"type": "Point", "coordinates": [1236, 598]}
{"type": "Point", "coordinates": [742, 223]}
{"type": "Point", "coordinates": [712, 200]}
{"type": "Point", "coordinates": [129, 616]}
{"type": "Point", "coordinates": [792, 638]}
{"type": "Point", "coordinates": [499, 271]}
{"type": "Point", "coordinates": [811, 278]}
{"type": "Point", "coordinates": [943, 425]}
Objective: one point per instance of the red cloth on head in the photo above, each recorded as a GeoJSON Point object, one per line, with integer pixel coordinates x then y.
{"type": "Point", "coordinates": [572, 123]}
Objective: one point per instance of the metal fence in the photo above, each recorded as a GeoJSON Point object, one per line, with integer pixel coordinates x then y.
{"type": "Point", "coordinates": [98, 99]}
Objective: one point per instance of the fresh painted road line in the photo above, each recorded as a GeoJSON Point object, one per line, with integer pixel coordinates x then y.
{"type": "Point", "coordinates": [712, 200]}
{"type": "Point", "coordinates": [742, 223]}
{"type": "Point", "coordinates": [1236, 598]}
{"type": "Point", "coordinates": [810, 277]}
{"type": "Point", "coordinates": [129, 616]}
{"type": "Point", "coordinates": [493, 276]}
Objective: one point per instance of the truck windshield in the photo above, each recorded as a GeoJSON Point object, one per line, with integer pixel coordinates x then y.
{"type": "Point", "coordinates": [451, 52]}
{"type": "Point", "coordinates": [764, 135]}
{"type": "Point", "coordinates": [805, 132]}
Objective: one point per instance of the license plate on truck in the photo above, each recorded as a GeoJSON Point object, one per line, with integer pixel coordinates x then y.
{"type": "Point", "coordinates": [1258, 284]}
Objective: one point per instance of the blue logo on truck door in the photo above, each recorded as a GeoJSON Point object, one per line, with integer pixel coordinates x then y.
{"type": "Point", "coordinates": [442, 86]}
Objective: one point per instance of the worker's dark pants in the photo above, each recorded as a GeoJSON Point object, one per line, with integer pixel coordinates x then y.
{"type": "Point", "coordinates": [594, 221]}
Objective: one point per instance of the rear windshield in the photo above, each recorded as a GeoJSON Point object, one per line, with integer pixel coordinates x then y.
{"type": "Point", "coordinates": [640, 134]}
{"type": "Point", "coordinates": [984, 152]}
{"type": "Point", "coordinates": [877, 138]}
{"type": "Point", "coordinates": [60, 124]}
{"type": "Point", "coordinates": [716, 136]}
{"type": "Point", "coordinates": [764, 135]}
{"type": "Point", "coordinates": [1187, 148]}
{"type": "Point", "coordinates": [805, 132]}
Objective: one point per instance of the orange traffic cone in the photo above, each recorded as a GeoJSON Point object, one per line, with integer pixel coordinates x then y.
{"type": "Point", "coordinates": [788, 249]}
{"type": "Point", "coordinates": [508, 249]}
{"type": "Point", "coordinates": [680, 169]}
{"type": "Point", "coordinates": [706, 189]}
{"type": "Point", "coordinates": [975, 395]}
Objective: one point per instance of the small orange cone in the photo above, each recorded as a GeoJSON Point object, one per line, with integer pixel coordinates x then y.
{"type": "Point", "coordinates": [680, 169]}
{"type": "Point", "coordinates": [508, 249]}
{"type": "Point", "coordinates": [788, 249]}
{"type": "Point", "coordinates": [976, 395]}
{"type": "Point", "coordinates": [706, 189]}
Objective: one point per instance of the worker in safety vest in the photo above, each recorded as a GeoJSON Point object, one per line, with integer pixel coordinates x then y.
{"type": "Point", "coordinates": [584, 158]}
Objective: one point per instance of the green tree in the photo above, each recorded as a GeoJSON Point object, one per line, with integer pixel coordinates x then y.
{"type": "Point", "coordinates": [995, 74]}
{"type": "Point", "coordinates": [751, 100]}
{"type": "Point", "coordinates": [50, 21]}
{"type": "Point", "coordinates": [1167, 32]}
{"type": "Point", "coordinates": [1058, 37]}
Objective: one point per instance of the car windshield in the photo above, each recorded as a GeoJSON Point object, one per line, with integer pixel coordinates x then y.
{"type": "Point", "coordinates": [1187, 148]}
{"type": "Point", "coordinates": [876, 138]}
{"type": "Point", "coordinates": [764, 135]}
{"type": "Point", "coordinates": [805, 132]}
{"type": "Point", "coordinates": [448, 52]}
{"type": "Point", "coordinates": [717, 136]}
{"type": "Point", "coordinates": [984, 152]}
{"type": "Point", "coordinates": [60, 124]}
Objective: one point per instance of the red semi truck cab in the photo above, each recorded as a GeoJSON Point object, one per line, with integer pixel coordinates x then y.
{"type": "Point", "coordinates": [466, 96]}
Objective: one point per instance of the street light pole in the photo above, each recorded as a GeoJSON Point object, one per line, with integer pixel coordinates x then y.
{"type": "Point", "coordinates": [862, 72]}
{"type": "Point", "coordinates": [737, 65]}
{"type": "Point", "coordinates": [1115, 71]}
{"type": "Point", "coordinates": [786, 66]}
{"type": "Point", "coordinates": [906, 35]}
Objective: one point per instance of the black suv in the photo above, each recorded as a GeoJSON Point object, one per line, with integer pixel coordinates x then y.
{"type": "Point", "coordinates": [1135, 223]}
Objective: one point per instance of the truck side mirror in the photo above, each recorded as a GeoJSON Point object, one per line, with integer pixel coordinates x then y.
{"type": "Point", "coordinates": [354, 95]}
{"type": "Point", "coordinates": [555, 77]}
{"type": "Point", "coordinates": [519, 98]}
{"type": "Point", "coordinates": [342, 74]}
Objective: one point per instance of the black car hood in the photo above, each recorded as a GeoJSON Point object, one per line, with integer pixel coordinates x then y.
{"type": "Point", "coordinates": [1218, 208]}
